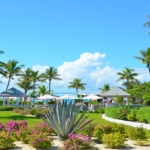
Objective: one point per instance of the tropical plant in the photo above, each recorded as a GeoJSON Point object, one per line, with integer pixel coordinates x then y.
{"type": "Point", "coordinates": [77, 84]}
{"type": "Point", "coordinates": [139, 91]}
{"type": "Point", "coordinates": [10, 69]}
{"type": "Point", "coordinates": [35, 77]}
{"type": "Point", "coordinates": [105, 88]}
{"type": "Point", "coordinates": [118, 99]}
{"type": "Point", "coordinates": [26, 85]}
{"type": "Point", "coordinates": [145, 58]}
{"type": "Point", "coordinates": [147, 24]}
{"type": "Point", "coordinates": [128, 75]}
{"type": "Point", "coordinates": [51, 74]}
{"type": "Point", "coordinates": [26, 75]}
{"type": "Point", "coordinates": [1, 52]}
{"type": "Point", "coordinates": [42, 90]}
{"type": "Point", "coordinates": [63, 119]}
{"type": "Point", "coordinates": [33, 94]}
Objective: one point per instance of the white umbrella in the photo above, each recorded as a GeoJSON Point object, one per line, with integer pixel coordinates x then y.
{"type": "Point", "coordinates": [47, 96]}
{"type": "Point", "coordinates": [92, 97]}
{"type": "Point", "coordinates": [67, 97]}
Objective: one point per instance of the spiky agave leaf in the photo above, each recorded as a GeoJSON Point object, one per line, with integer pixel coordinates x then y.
{"type": "Point", "coordinates": [63, 119]}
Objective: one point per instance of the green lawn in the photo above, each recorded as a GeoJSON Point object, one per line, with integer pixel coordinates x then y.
{"type": "Point", "coordinates": [6, 116]}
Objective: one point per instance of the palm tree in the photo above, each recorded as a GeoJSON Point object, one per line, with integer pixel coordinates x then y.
{"type": "Point", "coordinates": [131, 83]}
{"type": "Point", "coordinates": [105, 88]}
{"type": "Point", "coordinates": [147, 24]}
{"type": "Point", "coordinates": [35, 77]}
{"type": "Point", "coordinates": [26, 75]}
{"type": "Point", "coordinates": [10, 69]}
{"type": "Point", "coordinates": [1, 52]}
{"type": "Point", "coordinates": [42, 90]}
{"type": "Point", "coordinates": [51, 74]}
{"type": "Point", "coordinates": [145, 58]}
{"type": "Point", "coordinates": [33, 94]}
{"type": "Point", "coordinates": [26, 85]}
{"type": "Point", "coordinates": [127, 75]}
{"type": "Point", "coordinates": [77, 84]}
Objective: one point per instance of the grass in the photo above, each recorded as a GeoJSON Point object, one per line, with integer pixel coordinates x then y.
{"type": "Point", "coordinates": [6, 116]}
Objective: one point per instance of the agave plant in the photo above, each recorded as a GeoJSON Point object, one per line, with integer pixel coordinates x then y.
{"type": "Point", "coordinates": [63, 119]}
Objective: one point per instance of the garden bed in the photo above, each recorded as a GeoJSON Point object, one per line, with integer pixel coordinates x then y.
{"type": "Point", "coordinates": [58, 144]}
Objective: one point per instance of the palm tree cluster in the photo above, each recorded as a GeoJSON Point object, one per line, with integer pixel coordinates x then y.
{"type": "Point", "coordinates": [29, 79]}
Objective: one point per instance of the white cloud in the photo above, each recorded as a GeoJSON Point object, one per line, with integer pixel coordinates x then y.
{"type": "Point", "coordinates": [88, 68]}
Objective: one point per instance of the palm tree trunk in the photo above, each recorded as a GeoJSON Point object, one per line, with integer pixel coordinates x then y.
{"type": "Point", "coordinates": [76, 90]}
{"type": "Point", "coordinates": [49, 86]}
{"type": "Point", "coordinates": [25, 98]}
{"type": "Point", "coordinates": [34, 87]}
{"type": "Point", "coordinates": [8, 83]}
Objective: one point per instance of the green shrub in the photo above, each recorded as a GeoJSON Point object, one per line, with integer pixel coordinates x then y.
{"type": "Point", "coordinates": [32, 111]}
{"type": "Point", "coordinates": [114, 140]}
{"type": "Point", "coordinates": [142, 143]}
{"type": "Point", "coordinates": [78, 100]}
{"type": "Point", "coordinates": [145, 112]}
{"type": "Point", "coordinates": [1, 102]}
{"type": "Point", "coordinates": [119, 128]}
{"type": "Point", "coordinates": [141, 118]}
{"type": "Point", "coordinates": [38, 103]}
{"type": "Point", "coordinates": [103, 129]}
{"type": "Point", "coordinates": [6, 141]}
{"type": "Point", "coordinates": [100, 110]}
{"type": "Point", "coordinates": [118, 99]}
{"type": "Point", "coordinates": [112, 112]}
{"type": "Point", "coordinates": [132, 115]}
{"type": "Point", "coordinates": [51, 102]}
{"type": "Point", "coordinates": [6, 108]}
{"type": "Point", "coordinates": [90, 130]}
{"type": "Point", "coordinates": [137, 133]}
{"type": "Point", "coordinates": [123, 112]}
{"type": "Point", "coordinates": [37, 112]}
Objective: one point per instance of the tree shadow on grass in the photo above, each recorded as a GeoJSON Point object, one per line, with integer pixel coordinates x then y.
{"type": "Point", "coordinates": [19, 117]}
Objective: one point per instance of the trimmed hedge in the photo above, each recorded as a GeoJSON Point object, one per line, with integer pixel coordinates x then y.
{"type": "Point", "coordinates": [6, 108]}
{"type": "Point", "coordinates": [112, 112]}
{"type": "Point", "coordinates": [141, 114]}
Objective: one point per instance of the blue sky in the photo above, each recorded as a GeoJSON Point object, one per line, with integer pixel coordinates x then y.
{"type": "Point", "coordinates": [48, 33]}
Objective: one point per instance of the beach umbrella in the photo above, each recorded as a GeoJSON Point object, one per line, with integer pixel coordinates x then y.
{"type": "Point", "coordinates": [47, 96]}
{"type": "Point", "coordinates": [92, 97]}
{"type": "Point", "coordinates": [68, 96]}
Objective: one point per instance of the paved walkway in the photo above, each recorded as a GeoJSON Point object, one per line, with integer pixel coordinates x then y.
{"type": "Point", "coordinates": [129, 123]}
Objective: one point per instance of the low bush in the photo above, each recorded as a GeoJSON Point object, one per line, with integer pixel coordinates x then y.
{"type": "Point", "coordinates": [1, 102]}
{"type": "Point", "coordinates": [40, 141]}
{"type": "Point", "coordinates": [38, 103]}
{"type": "Point", "coordinates": [22, 111]}
{"type": "Point", "coordinates": [51, 102]}
{"type": "Point", "coordinates": [141, 118]}
{"type": "Point", "coordinates": [6, 108]}
{"type": "Point", "coordinates": [122, 114]}
{"type": "Point", "coordinates": [137, 133]}
{"type": "Point", "coordinates": [103, 129]}
{"type": "Point", "coordinates": [6, 141]}
{"type": "Point", "coordinates": [112, 112]}
{"type": "Point", "coordinates": [78, 142]}
{"type": "Point", "coordinates": [142, 142]}
{"type": "Point", "coordinates": [90, 130]}
{"type": "Point", "coordinates": [100, 110]}
{"type": "Point", "coordinates": [37, 112]}
{"type": "Point", "coordinates": [131, 116]}
{"type": "Point", "coordinates": [114, 140]}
